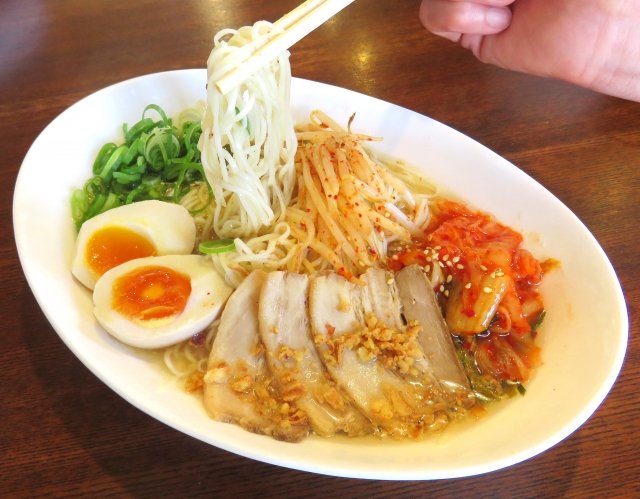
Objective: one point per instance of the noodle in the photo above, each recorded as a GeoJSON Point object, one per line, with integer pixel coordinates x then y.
{"type": "Point", "coordinates": [187, 357]}
{"type": "Point", "coordinates": [248, 142]}
{"type": "Point", "coordinates": [198, 203]}
{"type": "Point", "coordinates": [346, 209]}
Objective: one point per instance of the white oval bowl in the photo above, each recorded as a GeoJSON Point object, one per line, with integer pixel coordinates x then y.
{"type": "Point", "coordinates": [583, 338]}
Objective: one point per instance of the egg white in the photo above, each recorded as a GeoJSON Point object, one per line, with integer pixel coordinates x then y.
{"type": "Point", "coordinates": [209, 293]}
{"type": "Point", "coordinates": [168, 226]}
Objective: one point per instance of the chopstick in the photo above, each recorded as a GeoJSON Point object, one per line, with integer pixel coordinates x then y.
{"type": "Point", "coordinates": [287, 30]}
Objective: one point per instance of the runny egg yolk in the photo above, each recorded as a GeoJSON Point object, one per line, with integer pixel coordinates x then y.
{"type": "Point", "coordinates": [151, 292]}
{"type": "Point", "coordinates": [111, 246]}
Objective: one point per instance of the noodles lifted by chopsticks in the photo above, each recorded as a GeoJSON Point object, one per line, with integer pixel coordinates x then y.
{"type": "Point", "coordinates": [248, 141]}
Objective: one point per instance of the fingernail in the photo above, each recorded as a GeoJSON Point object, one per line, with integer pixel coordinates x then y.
{"type": "Point", "coordinates": [497, 18]}
{"type": "Point", "coordinates": [453, 37]}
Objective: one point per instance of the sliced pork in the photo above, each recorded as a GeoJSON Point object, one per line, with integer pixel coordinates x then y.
{"type": "Point", "coordinates": [297, 370]}
{"type": "Point", "coordinates": [374, 362]}
{"type": "Point", "coordinates": [371, 356]}
{"type": "Point", "coordinates": [238, 387]}
{"type": "Point", "coordinates": [380, 297]}
{"type": "Point", "coordinates": [419, 304]}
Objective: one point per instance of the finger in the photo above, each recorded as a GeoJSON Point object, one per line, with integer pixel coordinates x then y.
{"type": "Point", "coordinates": [497, 3]}
{"type": "Point", "coordinates": [446, 16]}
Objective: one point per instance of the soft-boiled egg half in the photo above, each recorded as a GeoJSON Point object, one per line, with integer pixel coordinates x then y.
{"type": "Point", "coordinates": [158, 301]}
{"type": "Point", "coordinates": [137, 230]}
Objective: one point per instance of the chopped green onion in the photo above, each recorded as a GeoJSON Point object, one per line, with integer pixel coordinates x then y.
{"type": "Point", "coordinates": [245, 120]}
{"type": "Point", "coordinates": [217, 246]}
{"type": "Point", "coordinates": [536, 324]}
{"type": "Point", "coordinates": [125, 178]}
{"type": "Point", "coordinates": [140, 128]}
{"type": "Point", "coordinates": [157, 161]}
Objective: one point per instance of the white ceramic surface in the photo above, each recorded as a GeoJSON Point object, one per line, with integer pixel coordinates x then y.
{"type": "Point", "coordinates": [584, 335]}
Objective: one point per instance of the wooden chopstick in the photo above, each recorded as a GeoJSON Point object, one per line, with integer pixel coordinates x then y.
{"type": "Point", "coordinates": [287, 30]}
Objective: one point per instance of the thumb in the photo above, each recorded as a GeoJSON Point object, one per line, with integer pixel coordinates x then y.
{"type": "Point", "coordinates": [455, 19]}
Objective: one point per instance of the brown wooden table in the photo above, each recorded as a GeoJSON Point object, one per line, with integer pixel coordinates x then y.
{"type": "Point", "coordinates": [64, 433]}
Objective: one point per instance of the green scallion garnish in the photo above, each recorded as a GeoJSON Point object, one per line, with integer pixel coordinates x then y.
{"type": "Point", "coordinates": [216, 246]}
{"type": "Point", "coordinates": [538, 322]}
{"type": "Point", "coordinates": [157, 161]}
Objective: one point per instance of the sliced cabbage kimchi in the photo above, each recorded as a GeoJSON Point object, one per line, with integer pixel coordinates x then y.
{"type": "Point", "coordinates": [487, 286]}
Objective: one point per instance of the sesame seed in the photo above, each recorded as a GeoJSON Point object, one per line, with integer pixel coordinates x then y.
{"type": "Point", "coordinates": [445, 258]}
{"type": "Point", "coordinates": [487, 289]}
{"type": "Point", "coordinates": [468, 285]}
{"type": "Point", "coordinates": [441, 264]}
{"type": "Point", "coordinates": [483, 268]}
{"type": "Point", "coordinates": [390, 281]}
{"type": "Point", "coordinates": [449, 278]}
{"type": "Point", "coordinates": [449, 264]}
{"type": "Point", "coordinates": [427, 268]}
{"type": "Point", "coordinates": [446, 292]}
{"type": "Point", "coordinates": [441, 287]}
{"type": "Point", "coordinates": [460, 266]}
{"type": "Point", "coordinates": [455, 259]}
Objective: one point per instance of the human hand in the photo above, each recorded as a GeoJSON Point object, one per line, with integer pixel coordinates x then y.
{"type": "Point", "coordinates": [591, 43]}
